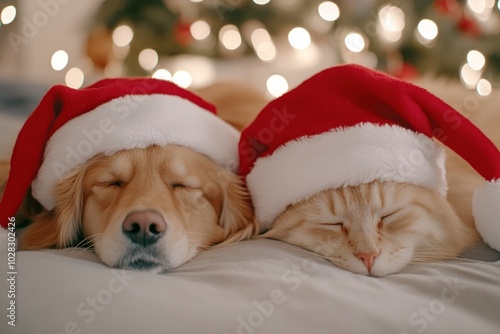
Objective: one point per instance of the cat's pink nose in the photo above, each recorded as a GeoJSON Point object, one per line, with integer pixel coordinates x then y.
{"type": "Point", "coordinates": [368, 259]}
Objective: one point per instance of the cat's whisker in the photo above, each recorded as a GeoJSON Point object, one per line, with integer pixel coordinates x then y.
{"type": "Point", "coordinates": [430, 255]}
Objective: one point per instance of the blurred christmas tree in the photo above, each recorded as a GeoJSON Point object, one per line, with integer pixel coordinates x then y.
{"type": "Point", "coordinates": [405, 38]}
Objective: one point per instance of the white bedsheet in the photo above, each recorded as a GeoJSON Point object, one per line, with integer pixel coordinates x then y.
{"type": "Point", "coordinates": [257, 286]}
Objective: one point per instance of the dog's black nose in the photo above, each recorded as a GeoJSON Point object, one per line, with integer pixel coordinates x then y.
{"type": "Point", "coordinates": [144, 227]}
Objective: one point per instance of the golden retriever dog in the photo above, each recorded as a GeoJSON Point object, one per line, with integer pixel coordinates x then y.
{"type": "Point", "coordinates": [150, 208]}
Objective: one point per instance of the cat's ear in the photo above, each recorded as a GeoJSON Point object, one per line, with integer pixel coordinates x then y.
{"type": "Point", "coordinates": [284, 225]}
{"type": "Point", "coordinates": [277, 233]}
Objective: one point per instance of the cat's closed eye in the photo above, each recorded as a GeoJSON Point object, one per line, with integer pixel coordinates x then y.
{"type": "Point", "coordinates": [389, 215]}
{"type": "Point", "coordinates": [332, 224]}
{"type": "Point", "coordinates": [387, 218]}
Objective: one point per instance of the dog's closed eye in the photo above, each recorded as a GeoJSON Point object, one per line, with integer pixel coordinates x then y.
{"type": "Point", "coordinates": [112, 183]}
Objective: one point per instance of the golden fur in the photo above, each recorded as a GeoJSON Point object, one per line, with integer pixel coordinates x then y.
{"type": "Point", "coordinates": [200, 203]}
{"type": "Point", "coordinates": [236, 103]}
{"type": "Point", "coordinates": [379, 228]}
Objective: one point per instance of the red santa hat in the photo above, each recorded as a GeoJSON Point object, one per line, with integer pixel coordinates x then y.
{"type": "Point", "coordinates": [350, 125]}
{"type": "Point", "coordinates": [71, 126]}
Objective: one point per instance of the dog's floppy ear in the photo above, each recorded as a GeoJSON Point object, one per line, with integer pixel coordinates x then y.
{"type": "Point", "coordinates": [60, 227]}
{"type": "Point", "coordinates": [236, 216]}
{"type": "Point", "coordinates": [40, 234]}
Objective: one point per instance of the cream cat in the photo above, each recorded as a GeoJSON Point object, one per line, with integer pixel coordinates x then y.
{"type": "Point", "coordinates": [379, 228]}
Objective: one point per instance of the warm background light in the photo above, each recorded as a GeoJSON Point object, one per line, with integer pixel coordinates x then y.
{"type": "Point", "coordinates": [122, 35]}
{"type": "Point", "coordinates": [8, 14]}
{"type": "Point", "coordinates": [59, 60]}
{"type": "Point", "coordinates": [329, 11]}
{"type": "Point", "coordinates": [203, 41]}
{"type": "Point", "coordinates": [277, 85]}
{"type": "Point", "coordinates": [148, 59]}
{"type": "Point", "coordinates": [299, 38]}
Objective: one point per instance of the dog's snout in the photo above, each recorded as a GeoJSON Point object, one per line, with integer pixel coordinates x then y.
{"type": "Point", "coordinates": [144, 227]}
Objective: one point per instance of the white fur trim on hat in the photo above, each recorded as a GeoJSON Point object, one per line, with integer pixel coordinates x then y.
{"type": "Point", "coordinates": [133, 121]}
{"type": "Point", "coordinates": [343, 157]}
{"type": "Point", "coordinates": [486, 211]}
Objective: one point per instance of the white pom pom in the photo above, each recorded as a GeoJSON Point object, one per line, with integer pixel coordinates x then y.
{"type": "Point", "coordinates": [486, 211]}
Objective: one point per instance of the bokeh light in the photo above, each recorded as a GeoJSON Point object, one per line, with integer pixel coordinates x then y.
{"type": "Point", "coordinates": [355, 42]}
{"type": "Point", "coordinates": [263, 45]}
{"type": "Point", "coordinates": [477, 6]}
{"type": "Point", "coordinates": [484, 87]}
{"type": "Point", "coordinates": [162, 74]}
{"type": "Point", "coordinates": [148, 59]}
{"type": "Point", "coordinates": [476, 60]}
{"type": "Point", "coordinates": [74, 78]}
{"type": "Point", "coordinates": [59, 60]}
{"type": "Point", "coordinates": [230, 37]}
{"type": "Point", "coordinates": [427, 29]}
{"type": "Point", "coordinates": [277, 85]}
{"type": "Point", "coordinates": [266, 51]}
{"type": "Point", "coordinates": [200, 30]}
{"type": "Point", "coordinates": [392, 18]}
{"type": "Point", "coordinates": [469, 76]}
{"type": "Point", "coordinates": [329, 11]}
{"type": "Point", "coordinates": [8, 14]}
{"type": "Point", "coordinates": [299, 38]}
{"type": "Point", "coordinates": [122, 35]}
{"type": "Point", "coordinates": [182, 78]}
{"type": "Point", "coordinates": [260, 35]}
